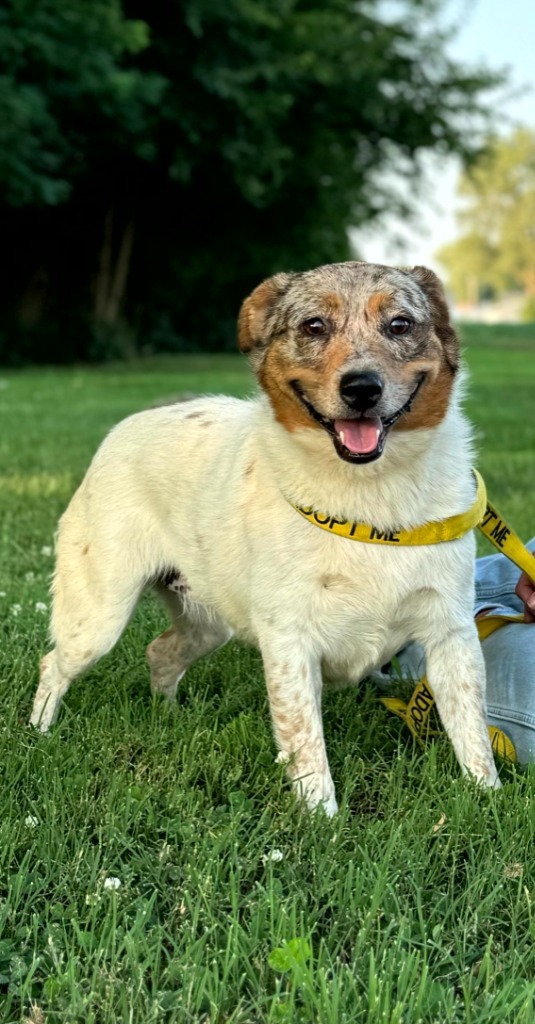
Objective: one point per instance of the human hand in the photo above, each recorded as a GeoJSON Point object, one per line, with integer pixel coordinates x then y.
{"type": "Point", "coordinates": [525, 590]}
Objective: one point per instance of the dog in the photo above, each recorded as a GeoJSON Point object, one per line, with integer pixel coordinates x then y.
{"type": "Point", "coordinates": [358, 417]}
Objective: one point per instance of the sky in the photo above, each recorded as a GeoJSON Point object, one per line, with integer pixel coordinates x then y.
{"type": "Point", "coordinates": [498, 34]}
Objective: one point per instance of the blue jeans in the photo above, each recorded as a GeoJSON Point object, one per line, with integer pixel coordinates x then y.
{"type": "Point", "coordinates": [509, 655]}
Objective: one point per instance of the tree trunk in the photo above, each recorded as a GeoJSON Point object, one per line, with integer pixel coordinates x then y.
{"type": "Point", "coordinates": [34, 298]}
{"type": "Point", "coordinates": [104, 269]}
{"type": "Point", "coordinates": [112, 275]}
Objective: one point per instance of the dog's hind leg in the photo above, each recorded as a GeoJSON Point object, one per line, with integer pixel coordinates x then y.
{"type": "Point", "coordinates": [190, 637]}
{"type": "Point", "coordinates": [87, 620]}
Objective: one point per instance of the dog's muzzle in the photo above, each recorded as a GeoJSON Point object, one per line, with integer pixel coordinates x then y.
{"type": "Point", "coordinates": [360, 438]}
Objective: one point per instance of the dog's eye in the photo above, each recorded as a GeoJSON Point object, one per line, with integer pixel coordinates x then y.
{"type": "Point", "coordinates": [315, 327]}
{"type": "Point", "coordinates": [400, 325]}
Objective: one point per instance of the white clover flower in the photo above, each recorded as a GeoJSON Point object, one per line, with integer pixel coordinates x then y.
{"type": "Point", "coordinates": [31, 821]}
{"type": "Point", "coordinates": [164, 852]}
{"type": "Point", "coordinates": [16, 609]}
{"type": "Point", "coordinates": [112, 883]}
{"type": "Point", "coordinates": [274, 855]}
{"type": "Point", "coordinates": [46, 550]}
{"type": "Point", "coordinates": [3, 593]}
{"type": "Point", "coordinates": [40, 606]}
{"type": "Point", "coordinates": [29, 576]}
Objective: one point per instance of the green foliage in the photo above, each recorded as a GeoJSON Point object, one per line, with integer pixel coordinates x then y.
{"type": "Point", "coordinates": [498, 249]}
{"type": "Point", "coordinates": [66, 94]}
{"type": "Point", "coordinates": [297, 1000]}
{"type": "Point", "coordinates": [159, 160]}
{"type": "Point", "coordinates": [292, 957]}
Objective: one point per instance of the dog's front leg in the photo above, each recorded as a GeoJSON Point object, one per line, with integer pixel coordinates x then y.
{"type": "Point", "coordinates": [294, 689]}
{"type": "Point", "coordinates": [456, 673]}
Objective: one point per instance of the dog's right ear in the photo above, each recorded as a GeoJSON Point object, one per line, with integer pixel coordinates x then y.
{"type": "Point", "coordinates": [254, 318]}
{"type": "Point", "coordinates": [434, 290]}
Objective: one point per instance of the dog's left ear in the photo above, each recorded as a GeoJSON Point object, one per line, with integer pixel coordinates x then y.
{"type": "Point", "coordinates": [434, 290]}
{"type": "Point", "coordinates": [253, 321]}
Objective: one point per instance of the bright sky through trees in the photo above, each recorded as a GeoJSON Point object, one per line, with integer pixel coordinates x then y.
{"type": "Point", "coordinates": [500, 35]}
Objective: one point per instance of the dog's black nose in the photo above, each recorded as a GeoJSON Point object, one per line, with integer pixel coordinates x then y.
{"type": "Point", "coordinates": [361, 390]}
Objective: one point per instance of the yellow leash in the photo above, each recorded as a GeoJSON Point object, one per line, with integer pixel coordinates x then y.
{"type": "Point", "coordinates": [415, 713]}
{"type": "Point", "coordinates": [495, 528]}
{"type": "Point", "coordinates": [430, 533]}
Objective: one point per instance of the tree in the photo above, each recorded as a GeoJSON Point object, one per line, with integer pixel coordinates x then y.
{"type": "Point", "coordinates": [161, 159]}
{"type": "Point", "coordinates": [497, 250]}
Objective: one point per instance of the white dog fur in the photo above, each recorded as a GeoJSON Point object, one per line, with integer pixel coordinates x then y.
{"type": "Point", "coordinates": [200, 490]}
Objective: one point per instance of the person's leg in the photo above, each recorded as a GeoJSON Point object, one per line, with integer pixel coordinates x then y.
{"type": "Point", "coordinates": [496, 579]}
{"type": "Point", "coordinates": [510, 661]}
{"type": "Point", "coordinates": [509, 655]}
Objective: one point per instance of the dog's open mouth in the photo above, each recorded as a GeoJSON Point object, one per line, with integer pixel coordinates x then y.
{"type": "Point", "coordinates": [361, 438]}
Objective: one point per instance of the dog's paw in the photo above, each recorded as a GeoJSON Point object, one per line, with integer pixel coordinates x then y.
{"type": "Point", "coordinates": [329, 806]}
{"type": "Point", "coordinates": [39, 723]}
{"type": "Point", "coordinates": [486, 777]}
{"type": "Point", "coordinates": [318, 794]}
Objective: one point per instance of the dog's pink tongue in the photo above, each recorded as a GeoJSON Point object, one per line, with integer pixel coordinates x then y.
{"type": "Point", "coordinates": [359, 436]}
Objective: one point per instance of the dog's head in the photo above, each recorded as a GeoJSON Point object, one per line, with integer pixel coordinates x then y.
{"type": "Point", "coordinates": [354, 349]}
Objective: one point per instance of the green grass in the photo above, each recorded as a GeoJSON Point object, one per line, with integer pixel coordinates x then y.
{"type": "Point", "coordinates": [374, 917]}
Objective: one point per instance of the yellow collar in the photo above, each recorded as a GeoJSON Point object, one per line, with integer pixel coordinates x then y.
{"type": "Point", "coordinates": [430, 533]}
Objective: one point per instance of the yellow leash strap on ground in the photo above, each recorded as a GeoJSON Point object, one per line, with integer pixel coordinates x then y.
{"type": "Point", "coordinates": [415, 714]}
{"type": "Point", "coordinates": [502, 746]}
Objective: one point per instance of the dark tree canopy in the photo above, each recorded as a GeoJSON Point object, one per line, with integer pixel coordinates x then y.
{"type": "Point", "coordinates": [158, 159]}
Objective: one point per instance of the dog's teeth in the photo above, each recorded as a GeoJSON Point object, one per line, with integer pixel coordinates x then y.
{"type": "Point", "coordinates": [341, 436]}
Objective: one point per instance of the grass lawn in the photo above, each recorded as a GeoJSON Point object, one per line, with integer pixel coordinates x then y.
{"type": "Point", "coordinates": [232, 906]}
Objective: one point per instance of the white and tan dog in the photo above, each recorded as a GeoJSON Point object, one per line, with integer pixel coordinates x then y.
{"type": "Point", "coordinates": [359, 418]}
